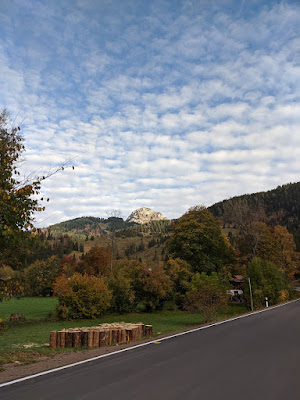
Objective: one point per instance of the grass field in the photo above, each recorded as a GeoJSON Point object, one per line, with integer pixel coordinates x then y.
{"type": "Point", "coordinates": [30, 307]}
{"type": "Point", "coordinates": [33, 333]}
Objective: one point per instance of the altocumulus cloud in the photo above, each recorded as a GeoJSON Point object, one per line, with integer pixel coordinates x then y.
{"type": "Point", "coordinates": [160, 104]}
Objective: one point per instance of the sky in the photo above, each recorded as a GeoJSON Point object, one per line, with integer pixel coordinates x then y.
{"type": "Point", "coordinates": [164, 104]}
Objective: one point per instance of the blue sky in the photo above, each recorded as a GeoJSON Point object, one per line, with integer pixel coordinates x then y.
{"type": "Point", "coordinates": [164, 103]}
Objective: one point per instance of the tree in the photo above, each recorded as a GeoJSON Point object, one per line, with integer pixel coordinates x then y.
{"type": "Point", "coordinates": [207, 294]}
{"type": "Point", "coordinates": [10, 288]}
{"type": "Point", "coordinates": [267, 280]}
{"type": "Point", "coordinates": [151, 287]}
{"type": "Point", "coordinates": [115, 219]}
{"type": "Point", "coordinates": [68, 265]}
{"type": "Point", "coordinates": [17, 206]}
{"type": "Point", "coordinates": [96, 262]}
{"type": "Point", "coordinates": [275, 244]}
{"type": "Point", "coordinates": [197, 238]}
{"type": "Point", "coordinates": [41, 275]}
{"type": "Point", "coordinates": [16, 203]}
{"type": "Point", "coordinates": [81, 296]}
{"type": "Point", "coordinates": [285, 255]}
{"type": "Point", "coordinates": [179, 272]}
{"type": "Point", "coordinates": [123, 297]}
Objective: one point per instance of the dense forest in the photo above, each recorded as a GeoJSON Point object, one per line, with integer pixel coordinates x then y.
{"type": "Point", "coordinates": [89, 225]}
{"type": "Point", "coordinates": [280, 206]}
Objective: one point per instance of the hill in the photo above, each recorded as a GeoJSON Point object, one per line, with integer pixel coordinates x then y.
{"type": "Point", "coordinates": [84, 226]}
{"type": "Point", "coordinates": [280, 206]}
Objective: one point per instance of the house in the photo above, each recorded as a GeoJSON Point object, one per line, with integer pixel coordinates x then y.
{"type": "Point", "coordinates": [236, 291]}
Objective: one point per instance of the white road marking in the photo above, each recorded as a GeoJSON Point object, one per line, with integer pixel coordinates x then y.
{"type": "Point", "coordinates": [25, 378]}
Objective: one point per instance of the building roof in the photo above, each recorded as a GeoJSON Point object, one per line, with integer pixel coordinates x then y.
{"type": "Point", "coordinates": [238, 278]}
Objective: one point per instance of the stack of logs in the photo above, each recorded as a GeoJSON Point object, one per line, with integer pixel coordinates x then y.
{"type": "Point", "coordinates": [101, 335]}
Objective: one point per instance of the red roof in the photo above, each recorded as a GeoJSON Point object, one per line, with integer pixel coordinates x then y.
{"type": "Point", "coordinates": [238, 278]}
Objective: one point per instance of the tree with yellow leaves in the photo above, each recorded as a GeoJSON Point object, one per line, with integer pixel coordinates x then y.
{"type": "Point", "coordinates": [17, 204]}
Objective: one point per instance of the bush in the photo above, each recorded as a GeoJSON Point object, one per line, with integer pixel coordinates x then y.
{"type": "Point", "coordinates": [6, 272]}
{"type": "Point", "coordinates": [207, 294]}
{"type": "Point", "coordinates": [123, 298]}
{"type": "Point", "coordinates": [267, 280]}
{"type": "Point", "coordinates": [96, 262]}
{"type": "Point", "coordinates": [179, 272]}
{"type": "Point", "coordinates": [81, 296]}
{"type": "Point", "coordinates": [151, 287]}
{"type": "Point", "coordinates": [40, 277]}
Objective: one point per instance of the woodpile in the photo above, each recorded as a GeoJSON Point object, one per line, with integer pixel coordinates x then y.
{"type": "Point", "coordinates": [101, 335]}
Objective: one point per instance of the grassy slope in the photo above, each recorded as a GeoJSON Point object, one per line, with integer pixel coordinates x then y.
{"type": "Point", "coordinates": [122, 243]}
{"type": "Point", "coordinates": [30, 307]}
{"type": "Point", "coordinates": [20, 335]}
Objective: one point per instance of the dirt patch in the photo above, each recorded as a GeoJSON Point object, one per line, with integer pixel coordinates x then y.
{"type": "Point", "coordinates": [18, 370]}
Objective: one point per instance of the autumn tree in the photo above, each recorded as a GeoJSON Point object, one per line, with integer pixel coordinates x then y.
{"type": "Point", "coordinates": [180, 274]}
{"type": "Point", "coordinates": [273, 243]}
{"type": "Point", "coordinates": [267, 280]}
{"type": "Point", "coordinates": [17, 204]}
{"type": "Point", "coordinates": [197, 238]}
{"type": "Point", "coordinates": [96, 262]}
{"type": "Point", "coordinates": [285, 255]}
{"type": "Point", "coordinates": [68, 265]}
{"type": "Point", "coordinates": [207, 294]}
{"type": "Point", "coordinates": [121, 285]}
{"type": "Point", "coordinates": [41, 275]}
{"type": "Point", "coordinates": [10, 288]}
{"type": "Point", "coordinates": [81, 296]}
{"type": "Point", "coordinates": [151, 286]}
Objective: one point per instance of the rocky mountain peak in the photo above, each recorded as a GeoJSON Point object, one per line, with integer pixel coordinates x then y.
{"type": "Point", "coordinates": [144, 215]}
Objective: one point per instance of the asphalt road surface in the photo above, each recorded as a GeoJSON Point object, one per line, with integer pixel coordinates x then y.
{"type": "Point", "coordinates": [252, 358]}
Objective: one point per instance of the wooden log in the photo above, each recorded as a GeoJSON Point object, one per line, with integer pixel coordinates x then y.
{"type": "Point", "coordinates": [109, 337]}
{"type": "Point", "coordinates": [105, 337]}
{"type": "Point", "coordinates": [62, 338]}
{"type": "Point", "coordinates": [69, 339]}
{"type": "Point", "coordinates": [84, 337]}
{"type": "Point", "coordinates": [53, 339]}
{"type": "Point", "coordinates": [90, 338]}
{"type": "Point", "coordinates": [128, 334]}
{"type": "Point", "coordinates": [140, 326]}
{"type": "Point", "coordinates": [96, 336]}
{"type": "Point", "coordinates": [114, 335]}
{"type": "Point", "coordinates": [122, 335]}
{"type": "Point", "coordinates": [148, 330]}
{"type": "Point", "coordinates": [135, 333]}
{"type": "Point", "coordinates": [77, 338]}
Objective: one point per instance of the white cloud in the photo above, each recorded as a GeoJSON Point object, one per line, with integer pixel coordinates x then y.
{"type": "Point", "coordinates": [156, 108]}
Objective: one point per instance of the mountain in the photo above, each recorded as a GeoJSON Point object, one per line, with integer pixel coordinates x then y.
{"type": "Point", "coordinates": [280, 206]}
{"type": "Point", "coordinates": [88, 225]}
{"type": "Point", "coordinates": [85, 226]}
{"type": "Point", "coordinates": [144, 215]}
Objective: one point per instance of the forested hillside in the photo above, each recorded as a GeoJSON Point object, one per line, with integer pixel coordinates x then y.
{"type": "Point", "coordinates": [88, 226]}
{"type": "Point", "coordinates": [280, 206]}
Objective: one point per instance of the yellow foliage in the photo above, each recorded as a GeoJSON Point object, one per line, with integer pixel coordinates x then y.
{"type": "Point", "coordinates": [284, 296]}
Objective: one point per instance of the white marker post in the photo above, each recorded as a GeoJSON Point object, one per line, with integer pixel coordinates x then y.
{"type": "Point", "coordinates": [267, 302]}
{"type": "Point", "coordinates": [251, 298]}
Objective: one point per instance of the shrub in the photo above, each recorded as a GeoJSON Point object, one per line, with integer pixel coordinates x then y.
{"type": "Point", "coordinates": [179, 272]}
{"type": "Point", "coordinates": [96, 261]}
{"type": "Point", "coordinates": [207, 294]}
{"type": "Point", "coordinates": [123, 298]}
{"type": "Point", "coordinates": [81, 296]}
{"type": "Point", "coordinates": [150, 287]}
{"type": "Point", "coordinates": [6, 272]}
{"type": "Point", "coordinates": [40, 277]}
{"type": "Point", "coordinates": [267, 280]}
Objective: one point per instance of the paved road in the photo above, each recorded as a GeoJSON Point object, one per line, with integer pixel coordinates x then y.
{"type": "Point", "coordinates": [253, 358]}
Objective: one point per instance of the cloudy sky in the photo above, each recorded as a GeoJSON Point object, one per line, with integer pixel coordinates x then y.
{"type": "Point", "coordinates": [160, 103]}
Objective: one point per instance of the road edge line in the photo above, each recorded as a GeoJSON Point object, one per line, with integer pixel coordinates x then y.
{"type": "Point", "coordinates": [25, 378]}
